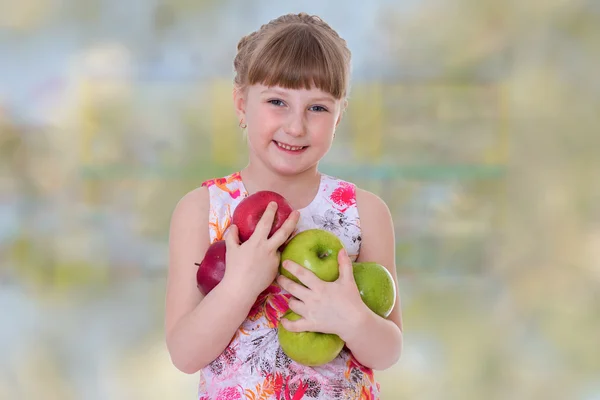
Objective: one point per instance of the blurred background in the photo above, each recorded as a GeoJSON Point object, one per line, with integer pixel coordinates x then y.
{"type": "Point", "coordinates": [477, 122]}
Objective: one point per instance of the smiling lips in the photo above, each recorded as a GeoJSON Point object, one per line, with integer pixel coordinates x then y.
{"type": "Point", "coordinates": [288, 147]}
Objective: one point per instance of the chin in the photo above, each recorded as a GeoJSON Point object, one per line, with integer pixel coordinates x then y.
{"type": "Point", "coordinates": [288, 170]}
{"type": "Point", "coordinates": [289, 167]}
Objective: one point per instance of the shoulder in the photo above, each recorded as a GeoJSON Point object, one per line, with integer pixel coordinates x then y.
{"type": "Point", "coordinates": [377, 228]}
{"type": "Point", "coordinates": [371, 205]}
{"type": "Point", "coordinates": [193, 198]}
{"type": "Point", "coordinates": [193, 206]}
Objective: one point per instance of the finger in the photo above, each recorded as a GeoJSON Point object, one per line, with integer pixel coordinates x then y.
{"type": "Point", "coordinates": [304, 275]}
{"type": "Point", "coordinates": [284, 232]}
{"type": "Point", "coordinates": [296, 290]}
{"type": "Point", "coordinates": [297, 306]}
{"type": "Point", "coordinates": [345, 266]}
{"type": "Point", "coordinates": [299, 325]}
{"type": "Point", "coordinates": [232, 239]}
{"type": "Point", "coordinates": [263, 228]}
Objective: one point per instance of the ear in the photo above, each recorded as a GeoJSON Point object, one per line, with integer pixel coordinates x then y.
{"type": "Point", "coordinates": [342, 110]}
{"type": "Point", "coordinates": [239, 102]}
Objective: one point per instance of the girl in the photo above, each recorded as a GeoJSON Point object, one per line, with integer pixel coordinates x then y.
{"type": "Point", "coordinates": [292, 78]}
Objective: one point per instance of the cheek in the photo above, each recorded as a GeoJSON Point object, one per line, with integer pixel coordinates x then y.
{"type": "Point", "coordinates": [264, 125]}
{"type": "Point", "coordinates": [260, 132]}
{"type": "Point", "coordinates": [324, 129]}
{"type": "Point", "coordinates": [263, 118]}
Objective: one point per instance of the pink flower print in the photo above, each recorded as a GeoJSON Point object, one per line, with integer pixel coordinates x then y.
{"type": "Point", "coordinates": [230, 393]}
{"type": "Point", "coordinates": [208, 183]}
{"type": "Point", "coordinates": [272, 303]}
{"type": "Point", "coordinates": [344, 196]}
{"type": "Point", "coordinates": [222, 183]}
{"type": "Point", "coordinates": [275, 306]}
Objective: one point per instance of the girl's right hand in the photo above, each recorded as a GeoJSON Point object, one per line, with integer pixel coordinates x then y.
{"type": "Point", "coordinates": [252, 266]}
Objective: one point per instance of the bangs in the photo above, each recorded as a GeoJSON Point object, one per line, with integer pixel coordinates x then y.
{"type": "Point", "coordinates": [298, 57]}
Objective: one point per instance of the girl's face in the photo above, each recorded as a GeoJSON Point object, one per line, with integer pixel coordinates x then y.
{"type": "Point", "coordinates": [289, 130]}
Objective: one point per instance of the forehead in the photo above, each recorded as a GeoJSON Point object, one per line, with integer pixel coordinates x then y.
{"type": "Point", "coordinates": [312, 93]}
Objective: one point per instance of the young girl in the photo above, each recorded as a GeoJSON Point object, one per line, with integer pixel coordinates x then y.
{"type": "Point", "coordinates": [292, 78]}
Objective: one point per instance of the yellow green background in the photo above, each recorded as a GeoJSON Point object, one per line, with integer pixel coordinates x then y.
{"type": "Point", "coordinates": [476, 121]}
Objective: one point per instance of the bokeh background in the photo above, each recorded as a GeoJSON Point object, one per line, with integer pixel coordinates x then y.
{"type": "Point", "coordinates": [477, 121]}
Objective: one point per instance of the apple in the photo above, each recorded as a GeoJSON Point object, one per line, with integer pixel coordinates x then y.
{"type": "Point", "coordinates": [249, 211]}
{"type": "Point", "coordinates": [376, 287]}
{"type": "Point", "coordinates": [308, 348]}
{"type": "Point", "coordinates": [315, 249]}
{"type": "Point", "coordinates": [212, 268]}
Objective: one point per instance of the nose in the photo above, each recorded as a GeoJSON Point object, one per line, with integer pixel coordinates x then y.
{"type": "Point", "coordinates": [295, 124]}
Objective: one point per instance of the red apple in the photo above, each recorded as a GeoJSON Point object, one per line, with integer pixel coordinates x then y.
{"type": "Point", "coordinates": [212, 268]}
{"type": "Point", "coordinates": [247, 214]}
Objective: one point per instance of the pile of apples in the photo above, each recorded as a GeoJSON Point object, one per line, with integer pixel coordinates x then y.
{"type": "Point", "coordinates": [314, 249]}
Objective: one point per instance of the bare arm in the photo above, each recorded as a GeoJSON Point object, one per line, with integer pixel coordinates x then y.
{"type": "Point", "coordinates": [376, 342]}
{"type": "Point", "coordinates": [197, 328]}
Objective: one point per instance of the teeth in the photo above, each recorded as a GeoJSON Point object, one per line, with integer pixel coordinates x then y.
{"type": "Point", "coordinates": [285, 146]}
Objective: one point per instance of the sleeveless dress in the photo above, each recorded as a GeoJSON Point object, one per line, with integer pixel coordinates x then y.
{"type": "Point", "coordinates": [253, 366]}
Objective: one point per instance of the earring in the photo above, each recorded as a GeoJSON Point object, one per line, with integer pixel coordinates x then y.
{"type": "Point", "coordinates": [243, 125]}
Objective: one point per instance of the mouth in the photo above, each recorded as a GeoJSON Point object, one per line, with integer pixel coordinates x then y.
{"type": "Point", "coordinates": [289, 148]}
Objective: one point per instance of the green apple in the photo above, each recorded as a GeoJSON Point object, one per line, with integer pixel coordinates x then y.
{"type": "Point", "coordinates": [376, 286]}
{"type": "Point", "coordinates": [308, 348]}
{"type": "Point", "coordinates": [316, 250]}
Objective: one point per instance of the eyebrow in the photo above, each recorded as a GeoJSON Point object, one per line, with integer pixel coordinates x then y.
{"type": "Point", "coordinates": [282, 93]}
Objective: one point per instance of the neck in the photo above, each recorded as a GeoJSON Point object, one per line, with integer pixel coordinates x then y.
{"type": "Point", "coordinates": [298, 189]}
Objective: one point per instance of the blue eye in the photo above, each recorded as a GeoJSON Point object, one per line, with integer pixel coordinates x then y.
{"type": "Point", "coordinates": [319, 108]}
{"type": "Point", "coordinates": [276, 102]}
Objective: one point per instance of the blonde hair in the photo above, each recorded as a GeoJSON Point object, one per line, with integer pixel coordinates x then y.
{"type": "Point", "coordinates": [294, 51]}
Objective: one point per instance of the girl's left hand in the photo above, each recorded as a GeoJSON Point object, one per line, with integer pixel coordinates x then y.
{"type": "Point", "coordinates": [327, 307]}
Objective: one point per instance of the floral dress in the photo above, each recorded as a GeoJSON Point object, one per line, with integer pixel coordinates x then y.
{"type": "Point", "coordinates": [253, 366]}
